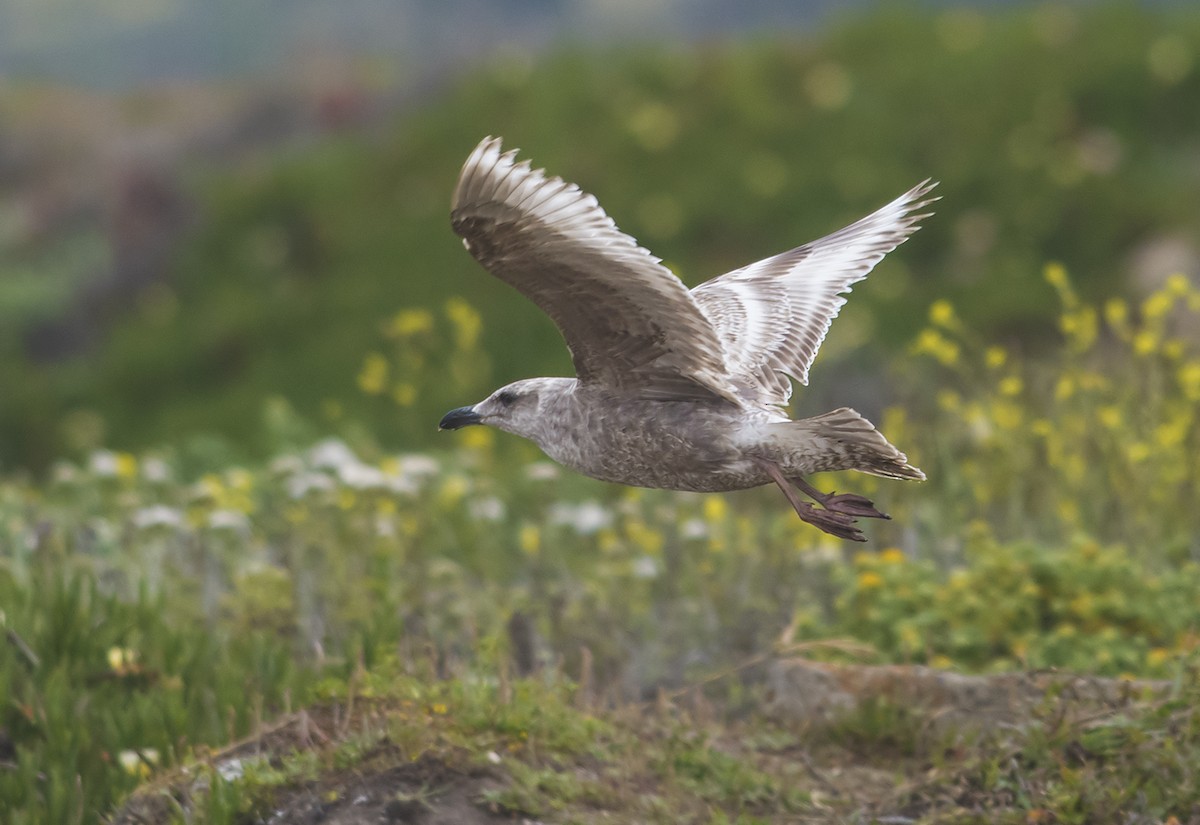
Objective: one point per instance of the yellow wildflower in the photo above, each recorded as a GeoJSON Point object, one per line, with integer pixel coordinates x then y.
{"type": "Point", "coordinates": [892, 555]}
{"type": "Point", "coordinates": [1109, 416]}
{"type": "Point", "coordinates": [1065, 387]}
{"type": "Point", "coordinates": [869, 580]}
{"type": "Point", "coordinates": [933, 343]}
{"type": "Point", "coordinates": [1080, 327]}
{"type": "Point", "coordinates": [530, 540]}
{"type": "Point", "coordinates": [1171, 434]}
{"type": "Point", "coordinates": [127, 466]}
{"type": "Point", "coordinates": [372, 378]}
{"type": "Point", "coordinates": [949, 400]}
{"type": "Point", "coordinates": [1116, 312]}
{"type": "Point", "coordinates": [453, 490]}
{"type": "Point", "coordinates": [1157, 656]}
{"type": "Point", "coordinates": [1177, 285]}
{"type": "Point", "coordinates": [1011, 385]}
{"type": "Point", "coordinates": [1145, 342]}
{"type": "Point", "coordinates": [466, 321]}
{"type": "Point", "coordinates": [404, 394]}
{"type": "Point", "coordinates": [1068, 511]}
{"type": "Point", "coordinates": [212, 487]}
{"type": "Point", "coordinates": [1157, 305]}
{"type": "Point", "coordinates": [715, 509]}
{"type": "Point", "coordinates": [478, 438]}
{"type": "Point", "coordinates": [643, 536]}
{"type": "Point", "coordinates": [240, 479]}
{"type": "Point", "coordinates": [409, 322]}
{"type": "Point", "coordinates": [995, 357]}
{"type": "Point", "coordinates": [1189, 380]}
{"type": "Point", "coordinates": [1138, 452]}
{"type": "Point", "coordinates": [439, 708]}
{"type": "Point", "coordinates": [941, 314]}
{"type": "Point", "coordinates": [1007, 416]}
{"type": "Point", "coordinates": [1055, 275]}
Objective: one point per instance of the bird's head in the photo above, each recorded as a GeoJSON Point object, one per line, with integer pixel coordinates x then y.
{"type": "Point", "coordinates": [515, 408]}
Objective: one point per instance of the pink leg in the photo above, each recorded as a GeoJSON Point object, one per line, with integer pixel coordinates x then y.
{"type": "Point", "coordinates": [849, 504]}
{"type": "Point", "coordinates": [834, 523]}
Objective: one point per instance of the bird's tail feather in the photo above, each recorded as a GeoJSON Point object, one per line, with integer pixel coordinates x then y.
{"type": "Point", "coordinates": [844, 440]}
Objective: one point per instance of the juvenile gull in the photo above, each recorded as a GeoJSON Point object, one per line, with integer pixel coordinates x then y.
{"type": "Point", "coordinates": [678, 389]}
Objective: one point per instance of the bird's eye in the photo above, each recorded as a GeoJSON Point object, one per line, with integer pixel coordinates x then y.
{"type": "Point", "coordinates": [507, 398]}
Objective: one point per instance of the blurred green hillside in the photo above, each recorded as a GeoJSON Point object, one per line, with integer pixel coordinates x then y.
{"type": "Point", "coordinates": [1059, 133]}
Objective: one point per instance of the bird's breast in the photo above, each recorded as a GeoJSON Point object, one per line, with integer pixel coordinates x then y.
{"type": "Point", "coordinates": [669, 445]}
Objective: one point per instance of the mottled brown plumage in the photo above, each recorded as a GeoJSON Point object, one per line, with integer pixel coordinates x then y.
{"type": "Point", "coordinates": [675, 388]}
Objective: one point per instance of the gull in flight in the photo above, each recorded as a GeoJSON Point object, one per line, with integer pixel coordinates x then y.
{"type": "Point", "coordinates": [675, 388]}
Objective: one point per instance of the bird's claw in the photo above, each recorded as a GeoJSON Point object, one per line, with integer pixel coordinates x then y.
{"type": "Point", "coordinates": [851, 504]}
{"type": "Point", "coordinates": [832, 522]}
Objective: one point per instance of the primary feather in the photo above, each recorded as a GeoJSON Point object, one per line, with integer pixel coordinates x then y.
{"type": "Point", "coordinates": [634, 327]}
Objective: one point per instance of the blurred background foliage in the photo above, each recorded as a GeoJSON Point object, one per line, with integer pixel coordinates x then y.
{"type": "Point", "coordinates": [1058, 132]}
{"type": "Point", "coordinates": [223, 356]}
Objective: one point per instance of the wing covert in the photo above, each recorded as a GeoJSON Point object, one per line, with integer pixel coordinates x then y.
{"type": "Point", "coordinates": [629, 322]}
{"type": "Point", "coordinates": [772, 316]}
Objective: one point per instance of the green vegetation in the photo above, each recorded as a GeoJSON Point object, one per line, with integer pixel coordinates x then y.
{"type": "Point", "coordinates": [150, 613]}
{"type": "Point", "coordinates": [165, 591]}
{"type": "Point", "coordinates": [401, 747]}
{"type": "Point", "coordinates": [1058, 133]}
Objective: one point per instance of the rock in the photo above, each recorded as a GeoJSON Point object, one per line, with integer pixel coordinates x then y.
{"type": "Point", "coordinates": [821, 693]}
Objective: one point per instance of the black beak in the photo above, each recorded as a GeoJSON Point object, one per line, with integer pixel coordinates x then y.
{"type": "Point", "coordinates": [457, 419]}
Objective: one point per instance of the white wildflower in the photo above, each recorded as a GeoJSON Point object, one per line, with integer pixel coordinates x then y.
{"type": "Point", "coordinates": [402, 485]}
{"type": "Point", "coordinates": [694, 528]}
{"type": "Point", "coordinates": [541, 471]}
{"type": "Point", "coordinates": [157, 515]}
{"type": "Point", "coordinates": [645, 567]}
{"type": "Point", "coordinates": [232, 520]}
{"type": "Point", "coordinates": [156, 471]}
{"type": "Point", "coordinates": [585, 518]}
{"type": "Point", "coordinates": [331, 454]}
{"type": "Point", "coordinates": [362, 476]}
{"type": "Point", "coordinates": [103, 463]}
{"type": "Point", "coordinates": [489, 508]}
{"type": "Point", "coordinates": [302, 484]}
{"type": "Point", "coordinates": [418, 465]}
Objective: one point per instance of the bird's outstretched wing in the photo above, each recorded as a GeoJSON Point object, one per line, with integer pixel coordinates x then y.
{"type": "Point", "coordinates": [630, 323]}
{"type": "Point", "coordinates": [772, 316]}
